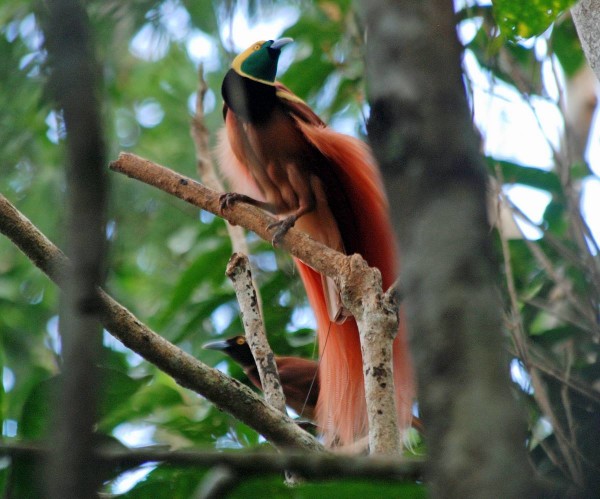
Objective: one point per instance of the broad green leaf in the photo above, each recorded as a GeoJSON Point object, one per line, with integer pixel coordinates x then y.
{"type": "Point", "coordinates": [204, 270]}
{"type": "Point", "coordinates": [202, 13]}
{"type": "Point", "coordinates": [23, 478]}
{"type": "Point", "coordinates": [199, 431]}
{"type": "Point", "coordinates": [526, 19]}
{"type": "Point", "coordinates": [514, 173]}
{"type": "Point", "coordinates": [558, 334]}
{"type": "Point", "coordinates": [4, 479]}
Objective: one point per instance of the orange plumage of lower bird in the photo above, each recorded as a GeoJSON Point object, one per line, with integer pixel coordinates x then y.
{"type": "Point", "coordinates": [280, 156]}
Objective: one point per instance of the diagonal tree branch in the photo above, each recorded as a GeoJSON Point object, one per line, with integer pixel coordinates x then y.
{"type": "Point", "coordinates": [226, 393]}
{"type": "Point", "coordinates": [360, 286]}
{"type": "Point", "coordinates": [317, 255]}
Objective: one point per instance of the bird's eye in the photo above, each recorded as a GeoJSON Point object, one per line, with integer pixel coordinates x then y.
{"type": "Point", "coordinates": [241, 341]}
{"type": "Point", "coordinates": [256, 47]}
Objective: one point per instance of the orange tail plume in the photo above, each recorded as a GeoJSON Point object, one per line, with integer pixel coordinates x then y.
{"type": "Point", "coordinates": [341, 409]}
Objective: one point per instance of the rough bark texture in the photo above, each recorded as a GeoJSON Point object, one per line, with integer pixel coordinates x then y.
{"type": "Point", "coordinates": [317, 255]}
{"type": "Point", "coordinates": [73, 82]}
{"type": "Point", "coordinates": [377, 320]}
{"type": "Point", "coordinates": [586, 16]}
{"type": "Point", "coordinates": [423, 137]}
{"type": "Point", "coordinates": [238, 270]}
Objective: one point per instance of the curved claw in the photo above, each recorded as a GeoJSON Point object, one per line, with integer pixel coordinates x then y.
{"type": "Point", "coordinates": [228, 199]}
{"type": "Point", "coordinates": [281, 228]}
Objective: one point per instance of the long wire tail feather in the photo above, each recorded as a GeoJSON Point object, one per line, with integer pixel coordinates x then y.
{"type": "Point", "coordinates": [341, 407]}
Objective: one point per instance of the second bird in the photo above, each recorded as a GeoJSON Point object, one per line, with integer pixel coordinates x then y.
{"type": "Point", "coordinates": [299, 378]}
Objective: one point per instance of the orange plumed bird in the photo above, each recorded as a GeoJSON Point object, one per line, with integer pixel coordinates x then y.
{"type": "Point", "coordinates": [280, 156]}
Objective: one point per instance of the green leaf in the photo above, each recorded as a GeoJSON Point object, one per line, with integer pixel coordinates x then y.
{"type": "Point", "coordinates": [117, 390]}
{"type": "Point", "coordinates": [23, 478]}
{"type": "Point", "coordinates": [35, 421]}
{"type": "Point", "coordinates": [514, 173]}
{"type": "Point", "coordinates": [166, 482]}
{"type": "Point", "coordinates": [144, 400]}
{"type": "Point", "coordinates": [518, 19]}
{"type": "Point", "coordinates": [548, 337]}
{"type": "Point", "coordinates": [507, 59]}
{"type": "Point", "coordinates": [4, 480]}
{"type": "Point", "coordinates": [567, 47]}
{"type": "Point", "coordinates": [306, 78]}
{"type": "Point", "coordinates": [274, 487]}
{"type": "Point", "coordinates": [203, 270]}
{"type": "Point", "coordinates": [554, 216]}
{"type": "Point", "coordinates": [199, 431]}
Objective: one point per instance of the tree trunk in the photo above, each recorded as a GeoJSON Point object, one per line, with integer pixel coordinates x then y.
{"type": "Point", "coordinates": [423, 137]}
{"type": "Point", "coordinates": [586, 16]}
{"type": "Point", "coordinates": [73, 470]}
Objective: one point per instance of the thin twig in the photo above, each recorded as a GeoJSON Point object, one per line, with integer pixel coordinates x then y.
{"type": "Point", "coordinates": [586, 312]}
{"type": "Point", "coordinates": [579, 229]}
{"type": "Point", "coordinates": [561, 315]}
{"type": "Point", "coordinates": [567, 404]}
{"type": "Point", "coordinates": [520, 337]}
{"type": "Point", "coordinates": [576, 302]}
{"type": "Point", "coordinates": [567, 448]}
{"type": "Point", "coordinates": [538, 360]}
{"type": "Point", "coordinates": [238, 270]}
{"type": "Point", "coordinates": [205, 164]}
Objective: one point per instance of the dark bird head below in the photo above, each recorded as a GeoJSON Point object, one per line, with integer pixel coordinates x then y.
{"type": "Point", "coordinates": [299, 377]}
{"type": "Point", "coordinates": [249, 86]}
{"type": "Point", "coordinates": [237, 348]}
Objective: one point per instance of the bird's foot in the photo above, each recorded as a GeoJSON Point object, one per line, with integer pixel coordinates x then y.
{"type": "Point", "coordinates": [281, 228]}
{"type": "Point", "coordinates": [228, 199]}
